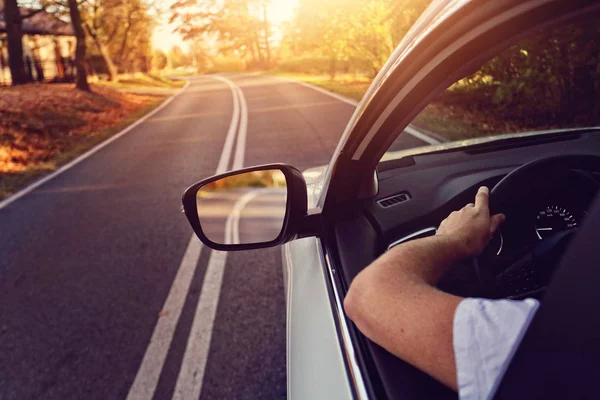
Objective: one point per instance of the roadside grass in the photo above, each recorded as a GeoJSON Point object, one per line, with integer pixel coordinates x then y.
{"type": "Point", "coordinates": [44, 127]}
{"type": "Point", "coordinates": [449, 124]}
{"type": "Point", "coordinates": [136, 81]}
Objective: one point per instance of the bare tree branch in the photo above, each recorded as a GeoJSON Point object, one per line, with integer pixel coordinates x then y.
{"type": "Point", "coordinates": [32, 13]}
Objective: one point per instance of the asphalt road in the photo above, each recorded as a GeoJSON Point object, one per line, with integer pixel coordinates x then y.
{"type": "Point", "coordinates": [89, 258]}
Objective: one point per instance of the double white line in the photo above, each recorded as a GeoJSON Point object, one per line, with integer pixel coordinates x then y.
{"type": "Point", "coordinates": [191, 374]}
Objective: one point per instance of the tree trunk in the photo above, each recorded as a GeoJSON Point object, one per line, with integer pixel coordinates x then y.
{"type": "Point", "coordinates": [122, 52]}
{"type": "Point", "coordinates": [256, 43]}
{"type": "Point", "coordinates": [14, 34]}
{"type": "Point", "coordinates": [332, 67]}
{"type": "Point", "coordinates": [81, 80]}
{"type": "Point", "coordinates": [112, 70]}
{"type": "Point", "coordinates": [266, 32]}
{"type": "Point", "coordinates": [250, 45]}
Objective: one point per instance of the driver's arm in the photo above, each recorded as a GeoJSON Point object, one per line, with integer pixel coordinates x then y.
{"type": "Point", "coordinates": [394, 301]}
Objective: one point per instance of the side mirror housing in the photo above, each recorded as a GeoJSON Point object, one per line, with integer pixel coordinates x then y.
{"type": "Point", "coordinates": [251, 208]}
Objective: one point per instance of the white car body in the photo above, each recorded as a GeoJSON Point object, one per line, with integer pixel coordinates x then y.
{"type": "Point", "coordinates": [315, 363]}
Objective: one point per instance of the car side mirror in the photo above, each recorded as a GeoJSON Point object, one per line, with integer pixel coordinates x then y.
{"type": "Point", "coordinates": [250, 208]}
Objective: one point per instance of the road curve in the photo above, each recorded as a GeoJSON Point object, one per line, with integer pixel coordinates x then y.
{"type": "Point", "coordinates": [89, 257]}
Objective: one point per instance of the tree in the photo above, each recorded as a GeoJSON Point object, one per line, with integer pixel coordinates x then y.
{"type": "Point", "coordinates": [130, 45]}
{"type": "Point", "coordinates": [265, 31]}
{"type": "Point", "coordinates": [93, 23]}
{"type": "Point", "coordinates": [237, 26]}
{"type": "Point", "coordinates": [322, 28]}
{"type": "Point", "coordinates": [352, 32]}
{"type": "Point", "coordinates": [13, 17]}
{"type": "Point", "coordinates": [14, 35]}
{"type": "Point", "coordinates": [159, 60]}
{"type": "Point", "coordinates": [201, 54]}
{"type": "Point", "coordinates": [121, 31]}
{"type": "Point", "coordinates": [549, 77]}
{"type": "Point", "coordinates": [81, 81]}
{"type": "Point", "coordinates": [179, 58]}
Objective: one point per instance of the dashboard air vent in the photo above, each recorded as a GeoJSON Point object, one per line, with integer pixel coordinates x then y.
{"type": "Point", "coordinates": [393, 200]}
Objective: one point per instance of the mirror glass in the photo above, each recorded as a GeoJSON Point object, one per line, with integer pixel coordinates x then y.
{"type": "Point", "coordinates": [244, 208]}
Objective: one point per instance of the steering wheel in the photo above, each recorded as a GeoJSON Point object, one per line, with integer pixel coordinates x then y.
{"type": "Point", "coordinates": [532, 269]}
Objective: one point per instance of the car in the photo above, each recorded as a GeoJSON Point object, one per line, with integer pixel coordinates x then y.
{"type": "Point", "coordinates": [334, 220]}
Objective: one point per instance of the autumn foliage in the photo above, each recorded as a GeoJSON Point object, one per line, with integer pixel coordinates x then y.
{"type": "Point", "coordinates": [42, 122]}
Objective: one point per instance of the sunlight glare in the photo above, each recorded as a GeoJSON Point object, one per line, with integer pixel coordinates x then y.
{"type": "Point", "coordinates": [280, 11]}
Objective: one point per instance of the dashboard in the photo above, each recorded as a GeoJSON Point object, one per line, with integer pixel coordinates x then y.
{"type": "Point", "coordinates": [417, 192]}
{"type": "Point", "coordinates": [560, 208]}
{"type": "Point", "coordinates": [424, 189]}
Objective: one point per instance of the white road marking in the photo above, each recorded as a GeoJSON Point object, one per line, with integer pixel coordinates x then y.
{"type": "Point", "coordinates": [191, 374]}
{"type": "Point", "coordinates": [236, 213]}
{"type": "Point", "coordinates": [411, 130]}
{"type": "Point", "coordinates": [227, 148]}
{"type": "Point", "coordinates": [193, 366]}
{"type": "Point", "coordinates": [87, 154]}
{"type": "Point", "coordinates": [240, 148]}
{"type": "Point", "coordinates": [421, 136]}
{"type": "Point", "coordinates": [341, 98]}
{"type": "Point", "coordinates": [239, 206]}
{"type": "Point", "coordinates": [147, 376]}
{"type": "Point", "coordinates": [145, 382]}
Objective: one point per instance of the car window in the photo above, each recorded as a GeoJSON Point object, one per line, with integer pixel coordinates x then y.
{"type": "Point", "coordinates": [545, 82]}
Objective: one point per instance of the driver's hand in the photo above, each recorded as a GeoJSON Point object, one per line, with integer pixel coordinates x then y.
{"type": "Point", "coordinates": [471, 227]}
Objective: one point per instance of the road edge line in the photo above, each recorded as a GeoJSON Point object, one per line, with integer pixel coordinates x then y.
{"type": "Point", "coordinates": [420, 135]}
{"type": "Point", "coordinates": [32, 186]}
{"type": "Point", "coordinates": [411, 130]}
{"type": "Point", "coordinates": [339, 97]}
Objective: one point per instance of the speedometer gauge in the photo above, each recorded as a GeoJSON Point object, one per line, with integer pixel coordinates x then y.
{"type": "Point", "coordinates": [553, 219]}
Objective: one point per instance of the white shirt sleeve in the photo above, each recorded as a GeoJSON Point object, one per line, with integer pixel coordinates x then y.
{"type": "Point", "coordinates": [486, 336]}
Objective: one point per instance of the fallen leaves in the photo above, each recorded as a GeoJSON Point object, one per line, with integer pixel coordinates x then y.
{"type": "Point", "coordinates": [42, 124]}
{"type": "Point", "coordinates": [37, 122]}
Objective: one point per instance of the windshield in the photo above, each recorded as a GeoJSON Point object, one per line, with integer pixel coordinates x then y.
{"type": "Point", "coordinates": [546, 82]}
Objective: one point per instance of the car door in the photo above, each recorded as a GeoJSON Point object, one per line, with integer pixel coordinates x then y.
{"type": "Point", "coordinates": [455, 40]}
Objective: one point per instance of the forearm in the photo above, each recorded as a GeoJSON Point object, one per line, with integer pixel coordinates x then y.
{"type": "Point", "coordinates": [424, 260]}
{"type": "Point", "coordinates": [394, 302]}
